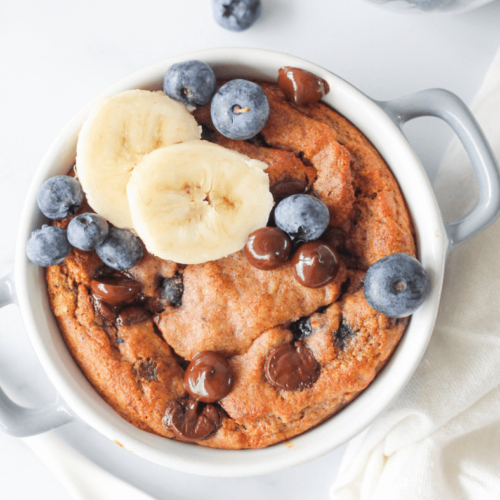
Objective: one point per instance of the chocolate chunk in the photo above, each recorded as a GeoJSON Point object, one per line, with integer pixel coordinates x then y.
{"type": "Point", "coordinates": [301, 328]}
{"type": "Point", "coordinates": [154, 305]}
{"type": "Point", "coordinates": [315, 264]}
{"type": "Point", "coordinates": [172, 289]}
{"type": "Point", "coordinates": [191, 420]}
{"type": "Point", "coordinates": [132, 315]}
{"type": "Point", "coordinates": [208, 377]}
{"type": "Point", "coordinates": [108, 312]}
{"type": "Point", "coordinates": [288, 186]}
{"type": "Point", "coordinates": [292, 367]}
{"type": "Point", "coordinates": [114, 290]}
{"type": "Point", "coordinates": [300, 86]}
{"type": "Point", "coordinates": [146, 369]}
{"type": "Point", "coordinates": [342, 336]}
{"type": "Point", "coordinates": [268, 248]}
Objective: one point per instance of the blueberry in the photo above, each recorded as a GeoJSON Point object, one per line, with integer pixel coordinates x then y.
{"type": "Point", "coordinates": [86, 231]}
{"type": "Point", "coordinates": [240, 109]}
{"type": "Point", "coordinates": [172, 289]}
{"type": "Point", "coordinates": [342, 336]}
{"type": "Point", "coordinates": [59, 197]}
{"type": "Point", "coordinates": [396, 285]}
{"type": "Point", "coordinates": [302, 216]}
{"type": "Point", "coordinates": [236, 15]}
{"type": "Point", "coordinates": [120, 250]}
{"type": "Point", "coordinates": [190, 82]}
{"type": "Point", "coordinates": [48, 246]}
{"type": "Point", "coordinates": [301, 328]}
{"type": "Point", "coordinates": [432, 4]}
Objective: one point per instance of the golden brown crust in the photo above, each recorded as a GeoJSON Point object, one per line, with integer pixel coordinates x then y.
{"type": "Point", "coordinates": [114, 368]}
{"type": "Point", "coordinates": [379, 223]}
{"type": "Point", "coordinates": [287, 174]}
{"type": "Point", "coordinates": [228, 303]}
{"type": "Point", "coordinates": [289, 129]}
{"type": "Point", "coordinates": [232, 307]}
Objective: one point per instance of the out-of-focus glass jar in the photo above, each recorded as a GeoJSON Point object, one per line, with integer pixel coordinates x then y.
{"type": "Point", "coordinates": [419, 6]}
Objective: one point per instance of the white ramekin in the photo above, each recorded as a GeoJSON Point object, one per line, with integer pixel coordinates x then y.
{"type": "Point", "coordinates": [380, 122]}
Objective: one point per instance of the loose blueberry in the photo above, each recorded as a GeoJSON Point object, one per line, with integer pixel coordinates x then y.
{"type": "Point", "coordinates": [240, 109]}
{"type": "Point", "coordinates": [236, 15]}
{"type": "Point", "coordinates": [396, 285]}
{"type": "Point", "coordinates": [190, 82]}
{"type": "Point", "coordinates": [429, 5]}
{"type": "Point", "coordinates": [303, 217]}
{"type": "Point", "coordinates": [59, 197]}
{"type": "Point", "coordinates": [48, 246]}
{"type": "Point", "coordinates": [86, 231]}
{"type": "Point", "coordinates": [120, 250]}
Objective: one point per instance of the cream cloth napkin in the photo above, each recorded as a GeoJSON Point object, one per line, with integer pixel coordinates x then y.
{"type": "Point", "coordinates": [441, 438]}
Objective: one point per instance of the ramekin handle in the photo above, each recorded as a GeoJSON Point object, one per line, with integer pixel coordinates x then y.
{"type": "Point", "coordinates": [18, 420]}
{"type": "Point", "coordinates": [450, 108]}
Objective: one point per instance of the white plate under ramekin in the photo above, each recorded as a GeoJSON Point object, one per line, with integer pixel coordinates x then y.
{"type": "Point", "coordinates": [381, 123]}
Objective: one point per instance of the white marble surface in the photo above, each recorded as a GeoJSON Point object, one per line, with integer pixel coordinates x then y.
{"type": "Point", "coordinates": [57, 55]}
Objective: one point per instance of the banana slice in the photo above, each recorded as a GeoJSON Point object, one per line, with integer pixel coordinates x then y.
{"type": "Point", "coordinates": [114, 139]}
{"type": "Point", "coordinates": [196, 201]}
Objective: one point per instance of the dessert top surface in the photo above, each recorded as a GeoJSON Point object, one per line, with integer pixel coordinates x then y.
{"type": "Point", "coordinates": [136, 351]}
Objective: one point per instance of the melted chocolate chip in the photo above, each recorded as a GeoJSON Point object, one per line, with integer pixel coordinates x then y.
{"type": "Point", "coordinates": [315, 264]}
{"type": "Point", "coordinates": [172, 289]}
{"type": "Point", "coordinates": [132, 316]}
{"type": "Point", "coordinates": [301, 328]}
{"type": "Point", "coordinates": [288, 186]}
{"type": "Point", "coordinates": [300, 86]}
{"type": "Point", "coordinates": [114, 290]}
{"type": "Point", "coordinates": [268, 248]}
{"type": "Point", "coordinates": [153, 304]}
{"type": "Point", "coordinates": [208, 377]}
{"type": "Point", "coordinates": [146, 369]}
{"type": "Point", "coordinates": [191, 420]}
{"type": "Point", "coordinates": [292, 367]}
{"type": "Point", "coordinates": [108, 312]}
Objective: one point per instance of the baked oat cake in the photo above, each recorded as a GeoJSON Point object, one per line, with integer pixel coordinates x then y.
{"type": "Point", "coordinates": [135, 344]}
